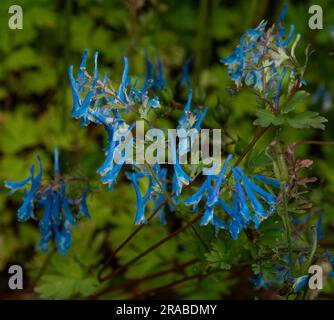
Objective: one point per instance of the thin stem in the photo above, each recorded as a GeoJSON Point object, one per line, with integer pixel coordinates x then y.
{"type": "Point", "coordinates": [44, 266]}
{"type": "Point", "coordinates": [313, 251]}
{"type": "Point", "coordinates": [285, 218]}
{"type": "Point", "coordinates": [201, 240]}
{"type": "Point", "coordinates": [150, 249]}
{"type": "Point", "coordinates": [250, 146]}
{"type": "Point", "coordinates": [124, 243]}
{"type": "Point", "coordinates": [178, 268]}
{"type": "Point", "coordinates": [315, 142]}
{"type": "Point", "coordinates": [200, 275]}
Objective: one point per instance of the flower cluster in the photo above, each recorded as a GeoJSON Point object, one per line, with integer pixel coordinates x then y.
{"type": "Point", "coordinates": [58, 219]}
{"type": "Point", "coordinates": [247, 195]}
{"type": "Point", "coordinates": [102, 105]}
{"type": "Point", "coordinates": [244, 192]}
{"type": "Point", "coordinates": [262, 59]}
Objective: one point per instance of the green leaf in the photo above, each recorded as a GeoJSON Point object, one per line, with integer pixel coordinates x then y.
{"type": "Point", "coordinates": [224, 254]}
{"type": "Point", "coordinates": [66, 279]}
{"type": "Point", "coordinates": [299, 97]}
{"type": "Point", "coordinates": [267, 118]}
{"type": "Point", "coordinates": [307, 119]}
{"type": "Point", "coordinates": [61, 287]}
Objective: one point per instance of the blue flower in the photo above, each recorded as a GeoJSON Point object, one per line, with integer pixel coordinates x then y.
{"type": "Point", "coordinates": [97, 95]}
{"type": "Point", "coordinates": [242, 202]}
{"type": "Point", "coordinates": [57, 219]}
{"type": "Point", "coordinates": [213, 199]}
{"type": "Point", "coordinates": [261, 59]}
{"type": "Point", "coordinates": [83, 204]}
{"type": "Point", "coordinates": [200, 193]}
{"type": "Point", "coordinates": [56, 161]}
{"type": "Point", "coordinates": [180, 178]}
{"type": "Point", "coordinates": [155, 79]}
{"type": "Point", "coordinates": [141, 201]}
{"type": "Point", "coordinates": [239, 213]}
{"type": "Point", "coordinates": [279, 85]}
{"type": "Point", "coordinates": [26, 211]}
{"type": "Point", "coordinates": [268, 181]}
{"type": "Point", "coordinates": [185, 79]}
{"type": "Point", "coordinates": [211, 196]}
{"type": "Point", "coordinates": [331, 260]}
{"type": "Point", "coordinates": [189, 120]}
{"type": "Point", "coordinates": [260, 212]}
{"type": "Point", "coordinates": [110, 170]}
{"type": "Point", "coordinates": [300, 283]}
{"type": "Point", "coordinates": [214, 196]}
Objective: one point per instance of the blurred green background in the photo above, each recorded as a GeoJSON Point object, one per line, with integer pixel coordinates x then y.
{"type": "Point", "coordinates": [35, 104]}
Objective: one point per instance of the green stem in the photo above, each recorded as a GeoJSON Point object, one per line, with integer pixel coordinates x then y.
{"type": "Point", "coordinates": [202, 42]}
{"type": "Point", "coordinates": [250, 146]}
{"type": "Point", "coordinates": [286, 222]}
{"type": "Point", "coordinates": [313, 251]}
{"type": "Point", "coordinates": [124, 243]}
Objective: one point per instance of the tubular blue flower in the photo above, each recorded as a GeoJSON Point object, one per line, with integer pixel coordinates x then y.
{"type": "Point", "coordinates": [83, 204]}
{"type": "Point", "coordinates": [180, 177]}
{"type": "Point", "coordinates": [125, 81]}
{"type": "Point", "coordinates": [159, 77]}
{"type": "Point", "coordinates": [68, 219]}
{"type": "Point", "coordinates": [14, 186]}
{"type": "Point", "coordinates": [190, 120]}
{"type": "Point", "coordinates": [290, 36]}
{"type": "Point", "coordinates": [331, 260]}
{"type": "Point", "coordinates": [154, 79]}
{"type": "Point", "coordinates": [80, 109]}
{"type": "Point", "coordinates": [266, 196]}
{"type": "Point", "coordinates": [45, 224]}
{"type": "Point", "coordinates": [55, 208]}
{"type": "Point", "coordinates": [82, 80]}
{"type": "Point", "coordinates": [141, 202]}
{"type": "Point", "coordinates": [300, 283]}
{"type": "Point", "coordinates": [279, 85]}
{"type": "Point", "coordinates": [160, 198]}
{"type": "Point", "coordinates": [244, 209]}
{"type": "Point", "coordinates": [214, 196]}
{"type": "Point", "coordinates": [185, 79]}
{"type": "Point", "coordinates": [110, 177]}
{"type": "Point", "coordinates": [183, 122]}
{"type": "Point", "coordinates": [281, 29]}
{"type": "Point", "coordinates": [260, 212]}
{"type": "Point", "coordinates": [63, 240]}
{"type": "Point", "coordinates": [320, 232]}
{"type": "Point", "coordinates": [26, 211]}
{"type": "Point", "coordinates": [56, 161]}
{"type": "Point", "coordinates": [236, 222]}
{"type": "Point", "coordinates": [268, 181]}
{"type": "Point", "coordinates": [200, 193]}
